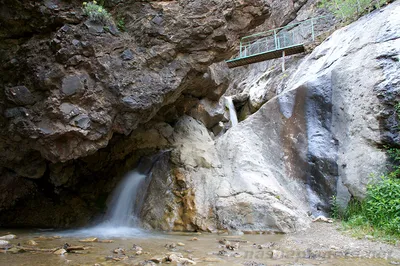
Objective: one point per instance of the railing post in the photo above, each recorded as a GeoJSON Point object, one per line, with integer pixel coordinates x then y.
{"type": "Point", "coordinates": [283, 61]}
{"type": "Point", "coordinates": [276, 41]}
{"type": "Point", "coordinates": [240, 49]}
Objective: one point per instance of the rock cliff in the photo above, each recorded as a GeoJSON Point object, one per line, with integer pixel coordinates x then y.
{"type": "Point", "coordinates": [319, 133]}
{"type": "Point", "coordinates": [81, 104]}
{"type": "Point", "coordinates": [73, 90]}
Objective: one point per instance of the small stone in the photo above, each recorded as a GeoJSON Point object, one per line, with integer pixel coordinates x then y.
{"type": "Point", "coordinates": [94, 28]}
{"type": "Point", "coordinates": [194, 239]}
{"type": "Point", "coordinates": [31, 243]}
{"type": "Point", "coordinates": [89, 240]}
{"type": "Point", "coordinates": [16, 112]}
{"type": "Point", "coordinates": [157, 20]}
{"type": "Point", "coordinates": [15, 250]}
{"type": "Point", "coordinates": [20, 95]}
{"type": "Point", "coordinates": [223, 253]}
{"type": "Point", "coordinates": [369, 237]}
{"type": "Point", "coordinates": [127, 55]}
{"type": "Point", "coordinates": [268, 245]}
{"type": "Point", "coordinates": [69, 110]}
{"type": "Point", "coordinates": [170, 246]}
{"type": "Point", "coordinates": [4, 244]}
{"type": "Point", "coordinates": [137, 247]}
{"type": "Point", "coordinates": [174, 257]}
{"type": "Point", "coordinates": [65, 28]}
{"type": "Point", "coordinates": [157, 260]}
{"type": "Point", "coordinates": [60, 252]}
{"type": "Point", "coordinates": [237, 255]}
{"type": "Point", "coordinates": [75, 42]}
{"type": "Point", "coordinates": [186, 261]}
{"type": "Point", "coordinates": [82, 121]}
{"type": "Point", "coordinates": [276, 254]}
{"type": "Point", "coordinates": [8, 237]}
{"type": "Point", "coordinates": [224, 242]}
{"type": "Point", "coordinates": [232, 247]}
{"type": "Point", "coordinates": [322, 218]}
{"type": "Point", "coordinates": [119, 251]}
{"type": "Point", "coordinates": [180, 244]}
{"type": "Point", "coordinates": [105, 241]}
{"type": "Point", "coordinates": [74, 248]}
{"type": "Point", "coordinates": [71, 85]}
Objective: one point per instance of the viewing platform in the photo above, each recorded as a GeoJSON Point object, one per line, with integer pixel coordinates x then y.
{"type": "Point", "coordinates": [275, 43]}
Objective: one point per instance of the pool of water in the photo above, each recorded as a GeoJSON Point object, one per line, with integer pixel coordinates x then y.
{"type": "Point", "coordinates": [204, 249]}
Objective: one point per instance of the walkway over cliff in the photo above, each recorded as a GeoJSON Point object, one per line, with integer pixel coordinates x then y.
{"type": "Point", "coordinates": [275, 43]}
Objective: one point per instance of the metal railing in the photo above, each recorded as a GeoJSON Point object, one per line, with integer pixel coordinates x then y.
{"type": "Point", "coordinates": [278, 39]}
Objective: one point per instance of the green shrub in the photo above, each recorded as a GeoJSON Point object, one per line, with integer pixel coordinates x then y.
{"type": "Point", "coordinates": [96, 13]}
{"type": "Point", "coordinates": [379, 214]}
{"type": "Point", "coordinates": [382, 205]}
{"type": "Point", "coordinates": [121, 24]}
{"type": "Point", "coordinates": [394, 155]}
{"type": "Point", "coordinates": [351, 9]}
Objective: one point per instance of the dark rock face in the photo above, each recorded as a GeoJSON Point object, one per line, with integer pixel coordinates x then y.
{"type": "Point", "coordinates": [116, 82]}
{"type": "Point", "coordinates": [78, 100]}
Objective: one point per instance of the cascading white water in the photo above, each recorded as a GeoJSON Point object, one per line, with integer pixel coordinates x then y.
{"type": "Point", "coordinates": [121, 219]}
{"type": "Point", "coordinates": [232, 110]}
{"type": "Point", "coordinates": [122, 211]}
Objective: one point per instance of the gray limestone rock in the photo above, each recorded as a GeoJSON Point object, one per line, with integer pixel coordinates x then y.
{"type": "Point", "coordinates": [208, 112]}
{"type": "Point", "coordinates": [71, 85]}
{"type": "Point", "coordinates": [82, 121]}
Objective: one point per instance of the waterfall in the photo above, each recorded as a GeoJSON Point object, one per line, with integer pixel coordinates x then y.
{"type": "Point", "coordinates": [122, 217]}
{"type": "Point", "coordinates": [126, 202]}
{"type": "Point", "coordinates": [232, 111]}
{"type": "Point", "coordinates": [124, 207]}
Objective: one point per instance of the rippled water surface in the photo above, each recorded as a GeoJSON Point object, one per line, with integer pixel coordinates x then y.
{"type": "Point", "coordinates": [204, 250]}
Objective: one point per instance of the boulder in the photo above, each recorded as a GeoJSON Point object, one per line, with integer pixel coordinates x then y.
{"type": "Point", "coordinates": [208, 112]}
{"type": "Point", "coordinates": [4, 244]}
{"type": "Point", "coordinates": [8, 237]}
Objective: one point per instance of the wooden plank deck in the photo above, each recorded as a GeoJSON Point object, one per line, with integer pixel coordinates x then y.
{"type": "Point", "coordinates": [296, 49]}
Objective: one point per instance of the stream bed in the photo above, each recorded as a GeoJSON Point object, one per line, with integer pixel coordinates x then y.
{"type": "Point", "coordinates": [149, 248]}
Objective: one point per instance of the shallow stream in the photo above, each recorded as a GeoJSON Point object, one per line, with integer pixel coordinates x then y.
{"type": "Point", "coordinates": [204, 249]}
